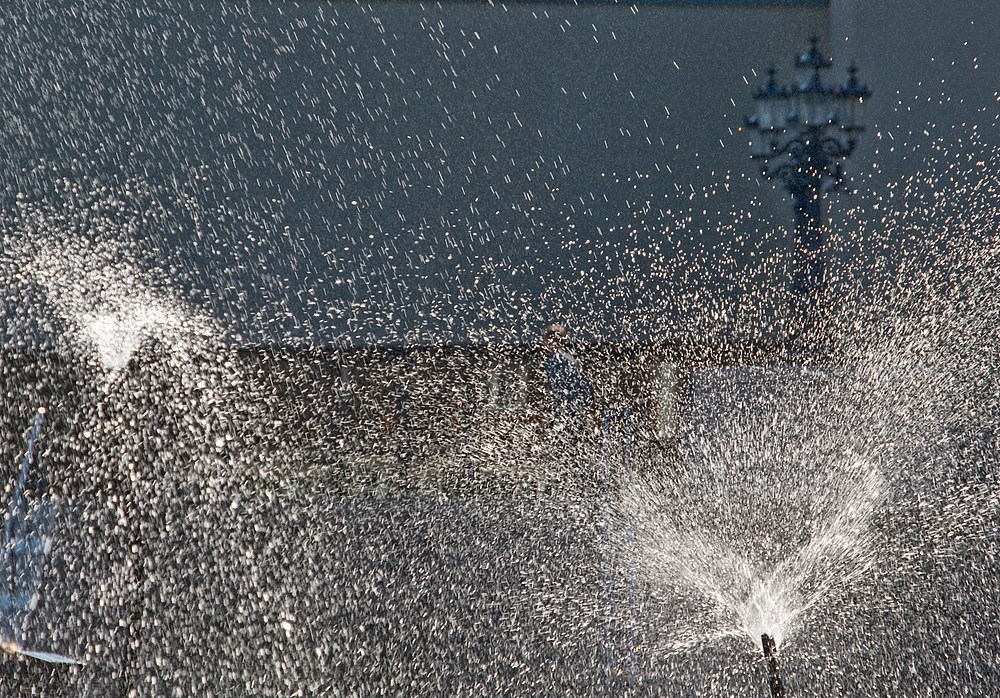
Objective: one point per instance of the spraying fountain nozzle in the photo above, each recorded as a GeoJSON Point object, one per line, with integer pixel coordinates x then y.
{"type": "Point", "coordinates": [774, 676]}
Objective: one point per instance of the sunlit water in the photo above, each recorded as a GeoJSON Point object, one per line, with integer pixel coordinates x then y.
{"type": "Point", "coordinates": [216, 529]}
{"type": "Point", "coordinates": [219, 534]}
{"type": "Point", "coordinates": [759, 549]}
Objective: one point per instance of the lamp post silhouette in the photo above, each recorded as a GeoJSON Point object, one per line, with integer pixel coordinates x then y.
{"type": "Point", "coordinates": [801, 133]}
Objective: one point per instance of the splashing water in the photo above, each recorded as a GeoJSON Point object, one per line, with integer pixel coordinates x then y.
{"type": "Point", "coordinates": [314, 520]}
{"type": "Point", "coordinates": [124, 313]}
{"type": "Point", "coordinates": [90, 276]}
{"type": "Point", "coordinates": [118, 335]}
{"type": "Point", "coordinates": [745, 595]}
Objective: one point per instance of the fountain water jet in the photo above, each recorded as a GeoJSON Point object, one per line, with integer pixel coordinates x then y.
{"type": "Point", "coordinates": [378, 591]}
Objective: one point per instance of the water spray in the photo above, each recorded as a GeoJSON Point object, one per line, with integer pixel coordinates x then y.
{"type": "Point", "coordinates": [774, 676]}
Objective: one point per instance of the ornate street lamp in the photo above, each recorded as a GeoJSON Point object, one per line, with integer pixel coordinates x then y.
{"type": "Point", "coordinates": [800, 134]}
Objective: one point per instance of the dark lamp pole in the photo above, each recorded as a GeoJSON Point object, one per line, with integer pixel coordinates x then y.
{"type": "Point", "coordinates": [800, 133]}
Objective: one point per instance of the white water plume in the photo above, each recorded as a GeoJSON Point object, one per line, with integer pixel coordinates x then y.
{"type": "Point", "coordinates": [733, 593]}
{"type": "Point", "coordinates": [110, 306]}
{"type": "Point", "coordinates": [117, 335]}
{"type": "Point", "coordinates": [78, 247]}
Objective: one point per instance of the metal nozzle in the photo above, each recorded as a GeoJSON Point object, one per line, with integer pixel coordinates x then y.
{"type": "Point", "coordinates": [774, 676]}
